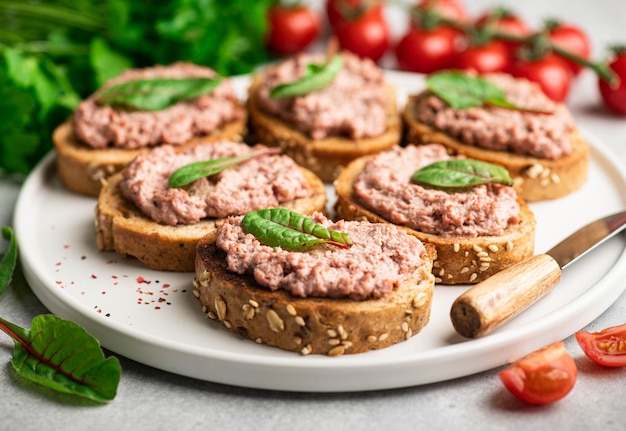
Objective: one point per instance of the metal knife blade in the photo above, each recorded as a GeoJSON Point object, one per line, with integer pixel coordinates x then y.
{"type": "Point", "coordinates": [587, 238]}
{"type": "Point", "coordinates": [492, 302]}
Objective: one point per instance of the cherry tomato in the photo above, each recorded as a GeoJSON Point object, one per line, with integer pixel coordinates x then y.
{"type": "Point", "coordinates": [504, 21]}
{"type": "Point", "coordinates": [340, 11]}
{"type": "Point", "coordinates": [606, 347]}
{"type": "Point", "coordinates": [426, 51]}
{"type": "Point", "coordinates": [550, 72]}
{"type": "Point", "coordinates": [614, 96]}
{"type": "Point", "coordinates": [570, 38]}
{"type": "Point", "coordinates": [543, 376]}
{"type": "Point", "coordinates": [490, 57]}
{"type": "Point", "coordinates": [451, 9]}
{"type": "Point", "coordinates": [366, 35]}
{"type": "Point", "coordinates": [291, 28]}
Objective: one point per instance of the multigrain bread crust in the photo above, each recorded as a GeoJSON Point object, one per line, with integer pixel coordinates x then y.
{"type": "Point", "coordinates": [459, 260]}
{"type": "Point", "coordinates": [535, 179]}
{"type": "Point", "coordinates": [309, 325]}
{"type": "Point", "coordinates": [123, 228]}
{"type": "Point", "coordinates": [326, 156]}
{"type": "Point", "coordinates": [83, 169]}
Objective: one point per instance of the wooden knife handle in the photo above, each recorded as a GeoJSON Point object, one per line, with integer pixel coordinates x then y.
{"type": "Point", "coordinates": [490, 303]}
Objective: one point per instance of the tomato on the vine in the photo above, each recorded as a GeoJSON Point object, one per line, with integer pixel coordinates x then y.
{"type": "Point", "coordinates": [550, 72]}
{"type": "Point", "coordinates": [543, 376]}
{"type": "Point", "coordinates": [571, 38]}
{"type": "Point", "coordinates": [366, 34]}
{"type": "Point", "coordinates": [486, 58]}
{"type": "Point", "coordinates": [504, 21]}
{"type": "Point", "coordinates": [450, 9]}
{"type": "Point", "coordinates": [606, 347]}
{"type": "Point", "coordinates": [614, 94]}
{"type": "Point", "coordinates": [340, 11]}
{"type": "Point", "coordinates": [426, 51]}
{"type": "Point", "coordinates": [291, 28]}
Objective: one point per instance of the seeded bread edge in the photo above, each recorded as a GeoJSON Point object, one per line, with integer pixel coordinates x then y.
{"type": "Point", "coordinates": [309, 325]}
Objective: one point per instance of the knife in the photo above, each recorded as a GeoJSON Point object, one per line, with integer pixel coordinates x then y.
{"type": "Point", "coordinates": [492, 302]}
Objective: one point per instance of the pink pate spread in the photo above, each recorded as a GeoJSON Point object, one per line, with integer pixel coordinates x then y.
{"type": "Point", "coordinates": [384, 186]}
{"type": "Point", "coordinates": [106, 126]}
{"type": "Point", "coordinates": [353, 105]}
{"type": "Point", "coordinates": [380, 259]}
{"type": "Point", "coordinates": [545, 135]}
{"type": "Point", "coordinates": [261, 182]}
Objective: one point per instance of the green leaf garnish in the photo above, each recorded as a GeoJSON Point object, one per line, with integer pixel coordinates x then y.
{"type": "Point", "coordinates": [156, 94]}
{"type": "Point", "coordinates": [60, 355]}
{"type": "Point", "coordinates": [280, 227]}
{"type": "Point", "coordinates": [460, 173]}
{"type": "Point", "coordinates": [317, 76]}
{"type": "Point", "coordinates": [462, 91]}
{"type": "Point", "coordinates": [57, 353]}
{"type": "Point", "coordinates": [194, 171]}
{"type": "Point", "coordinates": [8, 259]}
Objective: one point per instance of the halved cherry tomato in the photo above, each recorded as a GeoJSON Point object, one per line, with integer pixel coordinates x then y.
{"type": "Point", "coordinates": [291, 28]}
{"type": "Point", "coordinates": [550, 72]}
{"type": "Point", "coordinates": [606, 347]}
{"type": "Point", "coordinates": [614, 96]}
{"type": "Point", "coordinates": [570, 38]}
{"type": "Point", "coordinates": [426, 51]}
{"type": "Point", "coordinates": [543, 376]}
{"type": "Point", "coordinates": [366, 34]}
{"type": "Point", "coordinates": [490, 57]}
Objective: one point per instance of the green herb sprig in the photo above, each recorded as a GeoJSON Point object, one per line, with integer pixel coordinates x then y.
{"type": "Point", "coordinates": [194, 171]}
{"type": "Point", "coordinates": [280, 227]}
{"type": "Point", "coordinates": [460, 173]}
{"type": "Point", "coordinates": [317, 76]}
{"type": "Point", "coordinates": [157, 93]}
{"type": "Point", "coordinates": [462, 91]}
{"type": "Point", "coordinates": [57, 353]}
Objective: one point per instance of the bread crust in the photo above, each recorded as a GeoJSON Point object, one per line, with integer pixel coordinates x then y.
{"type": "Point", "coordinates": [535, 179]}
{"type": "Point", "coordinates": [123, 228]}
{"type": "Point", "coordinates": [326, 156]}
{"type": "Point", "coordinates": [83, 169]}
{"type": "Point", "coordinates": [309, 325]}
{"type": "Point", "coordinates": [460, 260]}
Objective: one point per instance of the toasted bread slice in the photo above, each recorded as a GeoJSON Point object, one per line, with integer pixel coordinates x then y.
{"type": "Point", "coordinates": [83, 169]}
{"type": "Point", "coordinates": [310, 325]}
{"type": "Point", "coordinates": [123, 228]}
{"type": "Point", "coordinates": [459, 260]}
{"type": "Point", "coordinates": [535, 179]}
{"type": "Point", "coordinates": [326, 156]}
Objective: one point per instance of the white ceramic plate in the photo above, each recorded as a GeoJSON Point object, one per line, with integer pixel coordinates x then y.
{"type": "Point", "coordinates": [153, 317]}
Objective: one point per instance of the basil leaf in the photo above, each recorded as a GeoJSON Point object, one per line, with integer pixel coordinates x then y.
{"type": "Point", "coordinates": [459, 173]}
{"type": "Point", "coordinates": [462, 91]}
{"type": "Point", "coordinates": [280, 227]}
{"type": "Point", "coordinates": [194, 171]}
{"type": "Point", "coordinates": [156, 94]}
{"type": "Point", "coordinates": [61, 355]}
{"type": "Point", "coordinates": [8, 259]}
{"type": "Point", "coordinates": [317, 76]}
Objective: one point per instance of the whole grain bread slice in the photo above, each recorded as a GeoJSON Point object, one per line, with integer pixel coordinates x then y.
{"type": "Point", "coordinates": [123, 228]}
{"type": "Point", "coordinates": [83, 169]}
{"type": "Point", "coordinates": [326, 156]}
{"type": "Point", "coordinates": [460, 260]}
{"type": "Point", "coordinates": [309, 325]}
{"type": "Point", "coordinates": [535, 179]}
